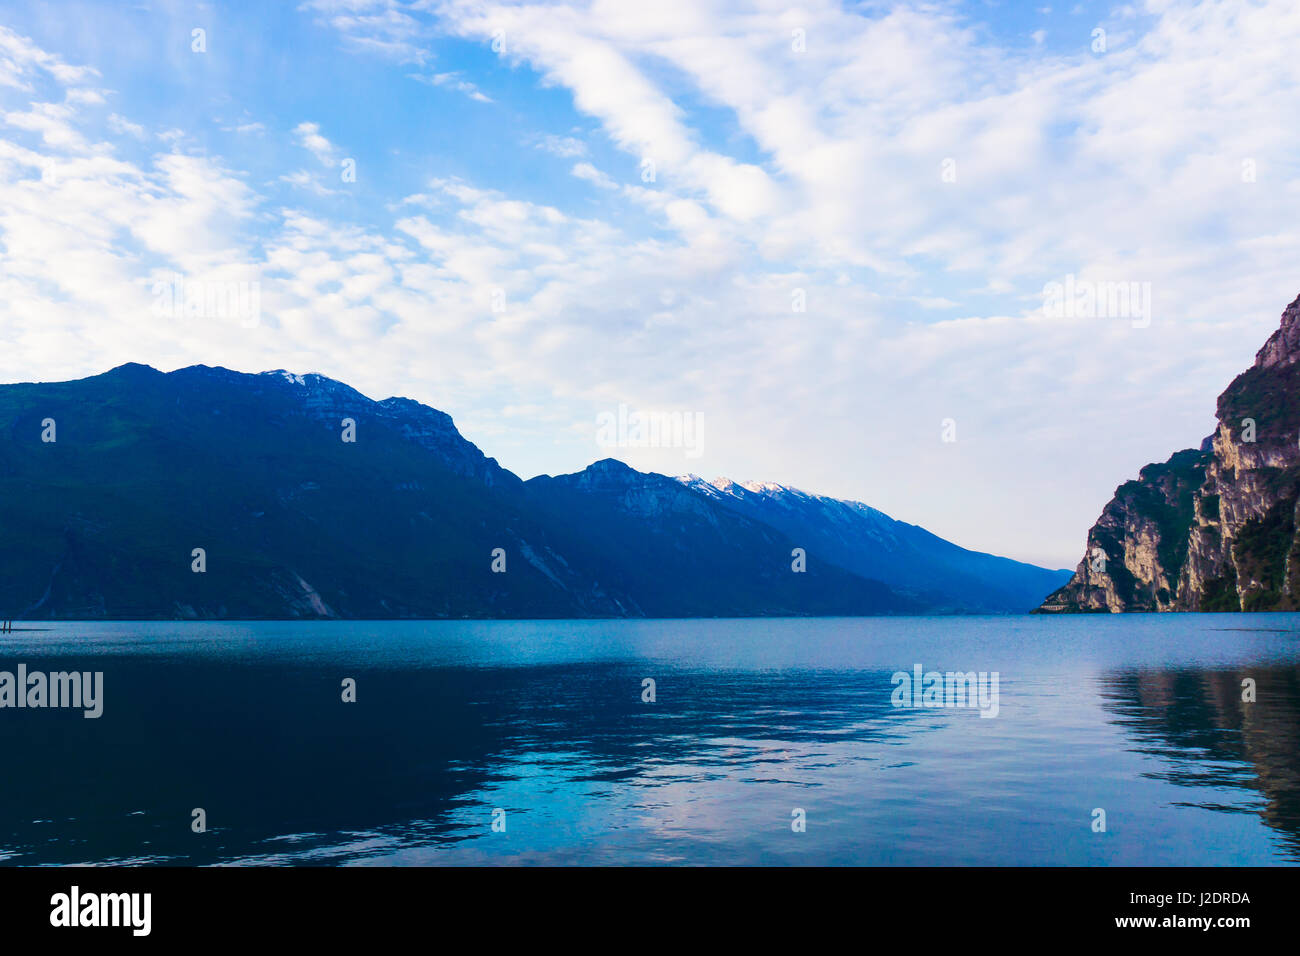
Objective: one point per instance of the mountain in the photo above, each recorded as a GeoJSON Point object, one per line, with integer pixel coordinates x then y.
{"type": "Point", "coordinates": [1213, 528]}
{"type": "Point", "coordinates": [674, 552]}
{"type": "Point", "coordinates": [115, 488]}
{"type": "Point", "coordinates": [870, 543]}
{"type": "Point", "coordinates": [293, 521]}
{"type": "Point", "coordinates": [147, 467]}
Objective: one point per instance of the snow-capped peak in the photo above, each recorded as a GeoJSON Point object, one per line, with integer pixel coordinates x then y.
{"type": "Point", "coordinates": [737, 489]}
{"type": "Point", "coordinates": [765, 487]}
{"type": "Point", "coordinates": [288, 376]}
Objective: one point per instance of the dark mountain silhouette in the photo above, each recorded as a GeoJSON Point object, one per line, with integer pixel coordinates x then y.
{"type": "Point", "coordinates": [144, 468]}
{"type": "Point", "coordinates": [904, 556]}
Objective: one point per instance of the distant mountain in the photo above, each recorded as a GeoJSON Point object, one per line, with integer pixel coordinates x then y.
{"type": "Point", "coordinates": [144, 469]}
{"type": "Point", "coordinates": [867, 542]}
{"type": "Point", "coordinates": [294, 522]}
{"type": "Point", "coordinates": [1214, 528]}
{"type": "Point", "coordinates": [670, 551]}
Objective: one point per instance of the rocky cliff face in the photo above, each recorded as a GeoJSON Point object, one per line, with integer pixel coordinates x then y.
{"type": "Point", "coordinates": [1212, 529]}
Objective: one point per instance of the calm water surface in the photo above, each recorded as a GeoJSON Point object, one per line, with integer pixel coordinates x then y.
{"type": "Point", "coordinates": [1141, 716]}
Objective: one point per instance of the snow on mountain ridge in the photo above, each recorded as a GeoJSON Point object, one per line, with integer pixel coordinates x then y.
{"type": "Point", "coordinates": [775, 492]}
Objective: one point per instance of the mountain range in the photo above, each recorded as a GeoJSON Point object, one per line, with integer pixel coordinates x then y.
{"type": "Point", "coordinates": [209, 493]}
{"type": "Point", "coordinates": [1213, 528]}
{"type": "Point", "coordinates": [873, 545]}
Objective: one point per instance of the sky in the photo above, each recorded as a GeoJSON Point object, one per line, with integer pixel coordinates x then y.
{"type": "Point", "coordinates": [823, 233]}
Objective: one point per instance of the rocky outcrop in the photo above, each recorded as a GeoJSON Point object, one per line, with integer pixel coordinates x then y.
{"type": "Point", "coordinates": [1215, 528]}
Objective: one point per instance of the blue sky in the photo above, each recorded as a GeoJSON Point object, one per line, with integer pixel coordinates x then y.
{"type": "Point", "coordinates": [916, 172]}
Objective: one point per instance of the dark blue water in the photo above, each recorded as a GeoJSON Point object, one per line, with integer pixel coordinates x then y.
{"type": "Point", "coordinates": [1140, 716]}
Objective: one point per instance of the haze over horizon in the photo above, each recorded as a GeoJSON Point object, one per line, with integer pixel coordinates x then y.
{"type": "Point", "coordinates": [825, 231]}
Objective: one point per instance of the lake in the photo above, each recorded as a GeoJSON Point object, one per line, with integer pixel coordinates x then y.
{"type": "Point", "coordinates": [768, 742]}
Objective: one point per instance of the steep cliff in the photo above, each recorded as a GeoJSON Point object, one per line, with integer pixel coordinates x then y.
{"type": "Point", "coordinates": [1213, 529]}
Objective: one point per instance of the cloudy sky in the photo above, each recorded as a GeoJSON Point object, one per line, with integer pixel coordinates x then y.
{"type": "Point", "coordinates": [822, 227]}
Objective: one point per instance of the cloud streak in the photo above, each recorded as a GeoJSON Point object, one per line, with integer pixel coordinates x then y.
{"type": "Point", "coordinates": [856, 254]}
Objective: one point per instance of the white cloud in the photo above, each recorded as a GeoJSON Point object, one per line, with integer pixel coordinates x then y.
{"type": "Point", "coordinates": [566, 147]}
{"type": "Point", "coordinates": [453, 81]}
{"type": "Point", "coordinates": [380, 27]}
{"type": "Point", "coordinates": [593, 175]}
{"type": "Point", "coordinates": [121, 126]}
{"type": "Point", "coordinates": [308, 180]}
{"type": "Point", "coordinates": [21, 61]}
{"type": "Point", "coordinates": [310, 138]}
{"type": "Point", "coordinates": [1123, 166]}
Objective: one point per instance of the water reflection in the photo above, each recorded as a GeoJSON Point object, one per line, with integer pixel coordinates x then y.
{"type": "Point", "coordinates": [1142, 716]}
{"type": "Point", "coordinates": [1207, 736]}
{"type": "Point", "coordinates": [286, 772]}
